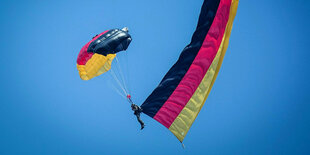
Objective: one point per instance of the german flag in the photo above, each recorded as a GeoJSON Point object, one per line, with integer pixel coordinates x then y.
{"type": "Point", "coordinates": [177, 100]}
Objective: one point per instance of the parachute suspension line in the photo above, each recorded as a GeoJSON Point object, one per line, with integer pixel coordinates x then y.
{"type": "Point", "coordinates": [118, 91]}
{"type": "Point", "coordinates": [122, 75]}
{"type": "Point", "coordinates": [127, 73]}
{"type": "Point", "coordinates": [114, 76]}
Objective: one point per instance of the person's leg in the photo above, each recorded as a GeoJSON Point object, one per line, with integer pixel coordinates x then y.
{"type": "Point", "coordinates": [140, 121]}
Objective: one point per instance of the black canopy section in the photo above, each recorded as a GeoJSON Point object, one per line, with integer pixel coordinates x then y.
{"type": "Point", "coordinates": [111, 42]}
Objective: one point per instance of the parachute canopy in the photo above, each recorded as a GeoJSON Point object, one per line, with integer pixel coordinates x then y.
{"type": "Point", "coordinates": [177, 100]}
{"type": "Point", "coordinates": [97, 55]}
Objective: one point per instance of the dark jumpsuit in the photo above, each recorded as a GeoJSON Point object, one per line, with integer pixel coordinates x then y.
{"type": "Point", "coordinates": [137, 110]}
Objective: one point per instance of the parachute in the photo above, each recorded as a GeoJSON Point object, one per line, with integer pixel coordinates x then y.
{"type": "Point", "coordinates": [177, 100]}
{"type": "Point", "coordinates": [97, 55]}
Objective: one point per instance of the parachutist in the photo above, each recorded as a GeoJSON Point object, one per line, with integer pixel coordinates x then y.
{"type": "Point", "coordinates": [137, 110]}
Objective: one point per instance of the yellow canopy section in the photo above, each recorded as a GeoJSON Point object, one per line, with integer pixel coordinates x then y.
{"type": "Point", "coordinates": [95, 66]}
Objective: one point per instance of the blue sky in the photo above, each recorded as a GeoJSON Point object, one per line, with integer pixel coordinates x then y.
{"type": "Point", "coordinates": [259, 103]}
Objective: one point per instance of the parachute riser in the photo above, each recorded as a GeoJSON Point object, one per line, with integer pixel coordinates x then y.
{"type": "Point", "coordinates": [129, 99]}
